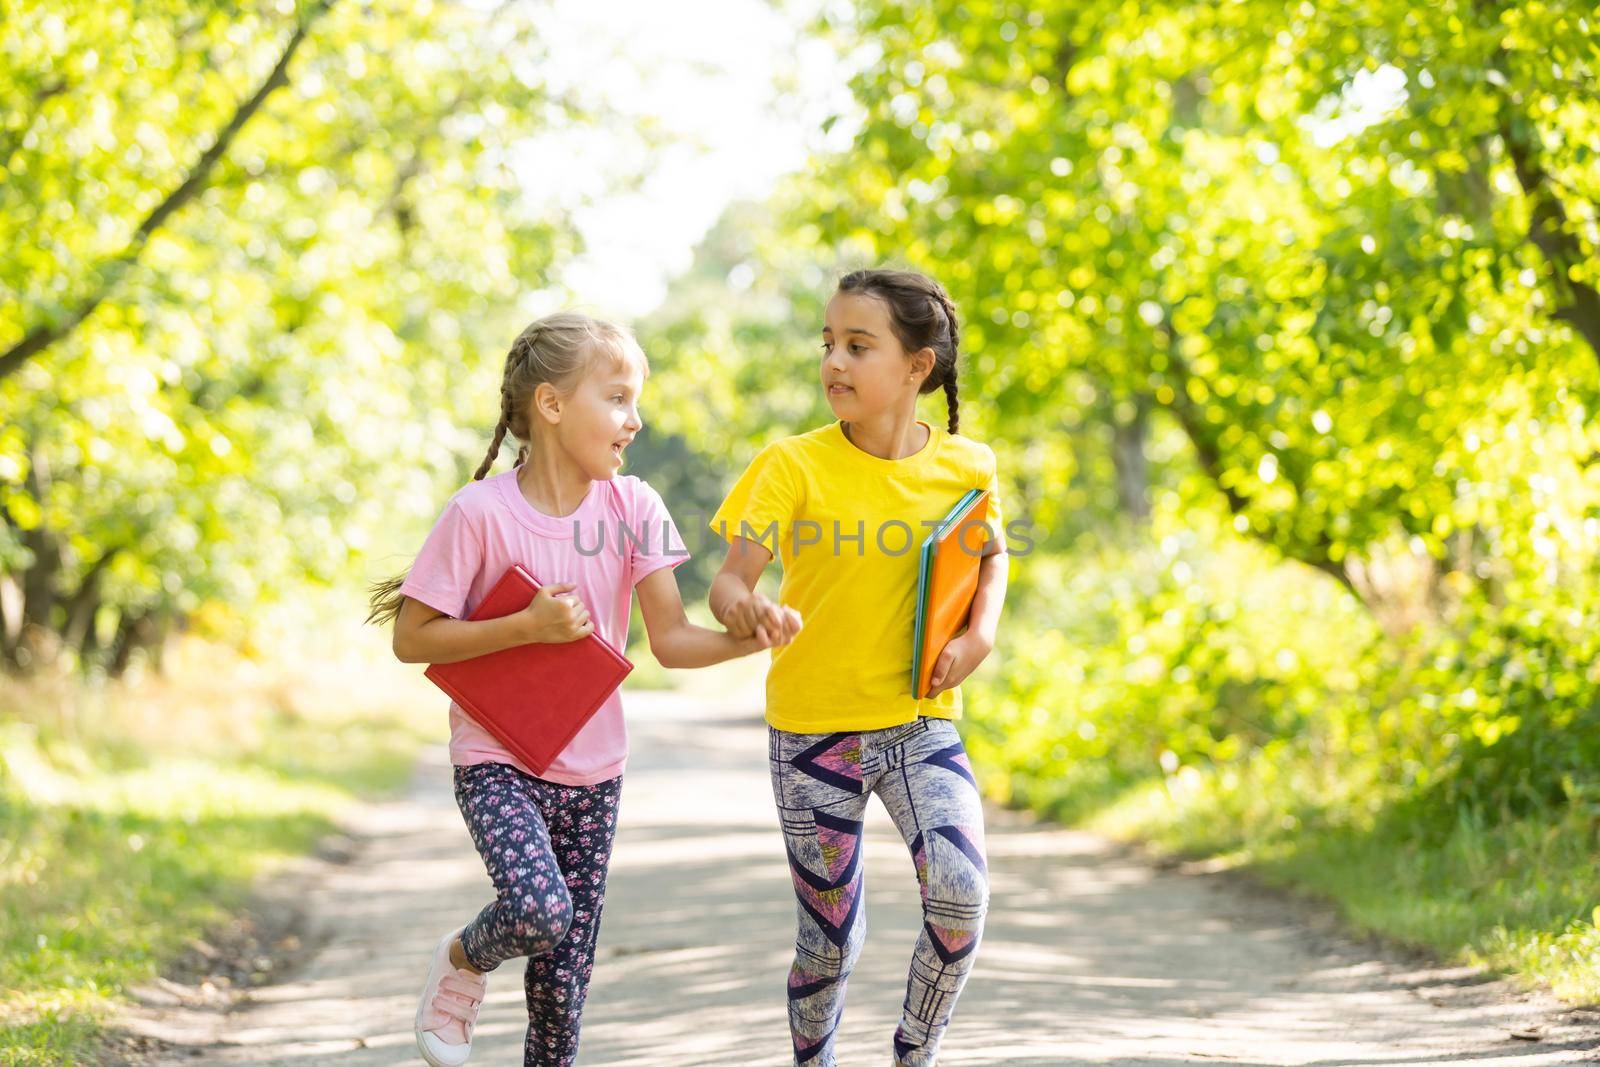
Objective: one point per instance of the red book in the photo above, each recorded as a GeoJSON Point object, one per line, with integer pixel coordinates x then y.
{"type": "Point", "coordinates": [533, 698]}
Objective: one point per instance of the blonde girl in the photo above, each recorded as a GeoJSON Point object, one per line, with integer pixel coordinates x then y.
{"type": "Point", "coordinates": [593, 537]}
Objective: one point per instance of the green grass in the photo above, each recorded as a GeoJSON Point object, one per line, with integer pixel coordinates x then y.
{"type": "Point", "coordinates": [1519, 895]}
{"type": "Point", "coordinates": [134, 816]}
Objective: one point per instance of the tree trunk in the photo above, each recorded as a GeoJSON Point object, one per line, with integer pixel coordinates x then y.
{"type": "Point", "coordinates": [1128, 458]}
{"type": "Point", "coordinates": [10, 618]}
{"type": "Point", "coordinates": [78, 630]}
{"type": "Point", "coordinates": [134, 631]}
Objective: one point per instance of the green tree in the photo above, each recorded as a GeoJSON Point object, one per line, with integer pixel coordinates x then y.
{"type": "Point", "coordinates": [1175, 206]}
{"type": "Point", "coordinates": [263, 265]}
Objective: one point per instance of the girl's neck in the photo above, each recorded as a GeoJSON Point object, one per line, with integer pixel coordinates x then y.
{"type": "Point", "coordinates": [552, 483]}
{"type": "Point", "coordinates": [891, 435]}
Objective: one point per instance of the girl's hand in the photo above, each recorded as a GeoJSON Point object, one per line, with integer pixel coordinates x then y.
{"type": "Point", "coordinates": [744, 646]}
{"type": "Point", "coordinates": [759, 618]}
{"type": "Point", "coordinates": [790, 625]}
{"type": "Point", "coordinates": [959, 659]}
{"type": "Point", "coordinates": [555, 619]}
{"type": "Point", "coordinates": [763, 639]}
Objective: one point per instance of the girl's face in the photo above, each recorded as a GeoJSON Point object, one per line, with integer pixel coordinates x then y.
{"type": "Point", "coordinates": [601, 416]}
{"type": "Point", "coordinates": [865, 368]}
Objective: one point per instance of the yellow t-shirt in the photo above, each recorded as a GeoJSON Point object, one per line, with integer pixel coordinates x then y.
{"type": "Point", "coordinates": [848, 528]}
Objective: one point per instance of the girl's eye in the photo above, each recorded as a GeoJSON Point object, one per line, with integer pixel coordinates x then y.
{"type": "Point", "coordinates": [826, 347]}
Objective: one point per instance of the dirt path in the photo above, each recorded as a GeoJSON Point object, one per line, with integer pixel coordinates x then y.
{"type": "Point", "coordinates": [1091, 956]}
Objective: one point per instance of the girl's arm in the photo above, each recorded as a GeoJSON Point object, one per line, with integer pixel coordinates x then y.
{"type": "Point", "coordinates": [963, 654]}
{"type": "Point", "coordinates": [425, 635]}
{"type": "Point", "coordinates": [735, 603]}
{"type": "Point", "coordinates": [677, 642]}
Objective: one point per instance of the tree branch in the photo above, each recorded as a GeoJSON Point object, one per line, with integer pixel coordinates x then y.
{"type": "Point", "coordinates": [1548, 225]}
{"type": "Point", "coordinates": [109, 273]}
{"type": "Point", "coordinates": [9, 146]}
{"type": "Point", "coordinates": [1211, 461]}
{"type": "Point", "coordinates": [1548, 228]}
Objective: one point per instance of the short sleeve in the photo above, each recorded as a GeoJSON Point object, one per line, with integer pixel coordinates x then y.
{"type": "Point", "coordinates": [442, 575]}
{"type": "Point", "coordinates": [996, 519]}
{"type": "Point", "coordinates": [762, 503]}
{"type": "Point", "coordinates": [656, 542]}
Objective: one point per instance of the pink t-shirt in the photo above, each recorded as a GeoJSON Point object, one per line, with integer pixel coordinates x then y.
{"type": "Point", "coordinates": [618, 534]}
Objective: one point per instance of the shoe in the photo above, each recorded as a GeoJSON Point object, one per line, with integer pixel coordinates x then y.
{"type": "Point", "coordinates": [448, 1009]}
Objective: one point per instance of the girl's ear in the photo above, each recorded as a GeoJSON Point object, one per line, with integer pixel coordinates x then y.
{"type": "Point", "coordinates": [922, 363]}
{"type": "Point", "coordinates": [547, 402]}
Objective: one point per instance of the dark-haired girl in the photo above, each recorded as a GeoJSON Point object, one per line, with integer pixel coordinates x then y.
{"type": "Point", "coordinates": [846, 506]}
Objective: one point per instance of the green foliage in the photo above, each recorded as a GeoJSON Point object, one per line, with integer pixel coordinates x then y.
{"type": "Point", "coordinates": [1184, 202]}
{"type": "Point", "coordinates": [238, 410]}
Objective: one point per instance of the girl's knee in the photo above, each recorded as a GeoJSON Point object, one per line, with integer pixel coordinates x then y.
{"type": "Point", "coordinates": [823, 955]}
{"type": "Point", "coordinates": [851, 952]}
{"type": "Point", "coordinates": [960, 885]}
{"type": "Point", "coordinates": [974, 891]}
{"type": "Point", "coordinates": [540, 920]}
{"type": "Point", "coordinates": [839, 960]}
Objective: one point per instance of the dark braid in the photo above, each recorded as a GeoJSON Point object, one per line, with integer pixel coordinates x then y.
{"type": "Point", "coordinates": [950, 400]}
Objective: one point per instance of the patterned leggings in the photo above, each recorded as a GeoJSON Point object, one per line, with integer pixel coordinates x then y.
{"type": "Point", "coordinates": [821, 783]}
{"type": "Point", "coordinates": [546, 847]}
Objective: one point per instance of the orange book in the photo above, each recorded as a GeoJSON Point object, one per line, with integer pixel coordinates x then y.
{"type": "Point", "coordinates": [947, 580]}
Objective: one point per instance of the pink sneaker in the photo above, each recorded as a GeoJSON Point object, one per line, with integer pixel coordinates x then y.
{"type": "Point", "coordinates": [449, 1008]}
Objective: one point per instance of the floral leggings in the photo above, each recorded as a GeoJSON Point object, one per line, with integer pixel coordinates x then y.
{"type": "Point", "coordinates": [546, 847]}
{"type": "Point", "coordinates": [822, 783]}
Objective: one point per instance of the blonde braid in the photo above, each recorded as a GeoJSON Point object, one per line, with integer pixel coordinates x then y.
{"type": "Point", "coordinates": [516, 360]}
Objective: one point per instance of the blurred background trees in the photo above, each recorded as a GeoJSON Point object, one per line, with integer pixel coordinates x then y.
{"type": "Point", "coordinates": [258, 265]}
